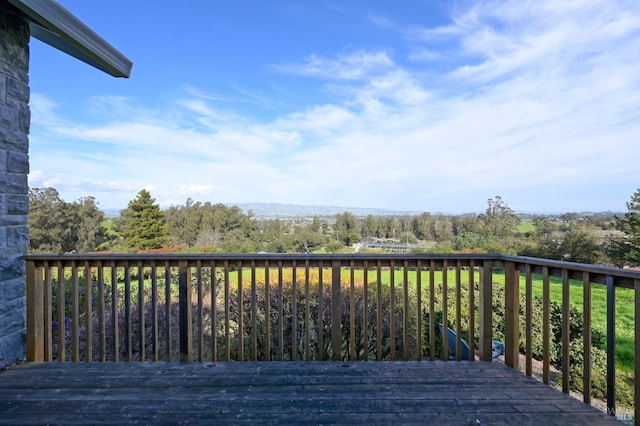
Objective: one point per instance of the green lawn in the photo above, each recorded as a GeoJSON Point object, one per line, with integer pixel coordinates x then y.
{"type": "Point", "coordinates": [525, 226]}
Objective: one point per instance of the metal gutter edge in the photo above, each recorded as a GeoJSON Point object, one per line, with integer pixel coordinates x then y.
{"type": "Point", "coordinates": [54, 25]}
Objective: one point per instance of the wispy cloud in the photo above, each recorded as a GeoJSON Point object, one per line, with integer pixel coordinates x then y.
{"type": "Point", "coordinates": [423, 54]}
{"type": "Point", "coordinates": [353, 66]}
{"type": "Point", "coordinates": [43, 111]}
{"type": "Point", "coordinates": [528, 37]}
{"type": "Point", "coordinates": [543, 99]}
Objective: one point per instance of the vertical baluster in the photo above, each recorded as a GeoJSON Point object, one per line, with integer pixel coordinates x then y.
{"type": "Point", "coordinates": [227, 297]}
{"type": "Point", "coordinates": [200, 296]}
{"type": "Point", "coordinates": [352, 312]}
{"type": "Point", "coordinates": [432, 313]}
{"type": "Point", "coordinates": [127, 311]}
{"type": "Point", "coordinates": [419, 310]}
{"type": "Point", "coordinates": [115, 317]}
{"type": "Point", "coordinates": [75, 314]}
{"type": "Point", "coordinates": [62, 325]}
{"type": "Point", "coordinates": [528, 320]}
{"type": "Point", "coordinates": [485, 310]}
{"type": "Point", "coordinates": [240, 313]}
{"type": "Point", "coordinates": [379, 312]}
{"type": "Point", "coordinates": [214, 312]}
{"type": "Point", "coordinates": [294, 312]}
{"type": "Point", "coordinates": [565, 331]}
{"type": "Point", "coordinates": [48, 296]}
{"type": "Point", "coordinates": [141, 314]}
{"type": "Point", "coordinates": [392, 310]}
{"type": "Point", "coordinates": [307, 312]}
{"type": "Point", "coordinates": [458, 314]}
{"type": "Point", "coordinates": [546, 326]}
{"type": "Point", "coordinates": [280, 313]}
{"type": "Point", "coordinates": [445, 310]}
{"type": "Point", "coordinates": [102, 335]}
{"type": "Point", "coordinates": [167, 308]}
{"type": "Point", "coordinates": [267, 313]}
{"type": "Point", "coordinates": [512, 315]}
{"type": "Point", "coordinates": [254, 332]}
{"type": "Point", "coordinates": [154, 311]}
{"type": "Point", "coordinates": [88, 312]}
{"type": "Point", "coordinates": [320, 314]}
{"type": "Point", "coordinates": [405, 311]}
{"type": "Point", "coordinates": [336, 314]}
{"type": "Point", "coordinates": [611, 345]}
{"type": "Point", "coordinates": [185, 311]}
{"type": "Point", "coordinates": [586, 336]}
{"type": "Point", "coordinates": [472, 312]}
{"type": "Point", "coordinates": [365, 310]}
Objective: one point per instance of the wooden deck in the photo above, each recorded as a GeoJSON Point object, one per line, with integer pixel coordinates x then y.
{"type": "Point", "coordinates": [458, 393]}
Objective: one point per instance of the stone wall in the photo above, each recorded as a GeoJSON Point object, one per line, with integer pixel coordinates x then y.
{"type": "Point", "coordinates": [14, 167]}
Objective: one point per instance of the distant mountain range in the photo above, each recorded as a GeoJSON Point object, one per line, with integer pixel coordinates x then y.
{"type": "Point", "coordinates": [298, 210]}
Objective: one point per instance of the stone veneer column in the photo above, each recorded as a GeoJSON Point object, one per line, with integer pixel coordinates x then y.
{"type": "Point", "coordinates": [14, 167]}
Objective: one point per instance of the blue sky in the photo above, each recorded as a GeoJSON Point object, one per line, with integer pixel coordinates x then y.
{"type": "Point", "coordinates": [408, 105]}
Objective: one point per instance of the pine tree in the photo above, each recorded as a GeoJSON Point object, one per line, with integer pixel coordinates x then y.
{"type": "Point", "coordinates": [142, 224]}
{"type": "Point", "coordinates": [624, 249]}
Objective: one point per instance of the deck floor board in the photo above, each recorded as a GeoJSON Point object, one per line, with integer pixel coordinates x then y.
{"type": "Point", "coordinates": [457, 393]}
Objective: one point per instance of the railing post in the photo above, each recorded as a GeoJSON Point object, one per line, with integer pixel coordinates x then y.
{"type": "Point", "coordinates": [114, 310]}
{"type": "Point", "coordinates": [35, 309]}
{"type": "Point", "coordinates": [184, 284]}
{"type": "Point", "coordinates": [485, 310]}
{"type": "Point", "coordinates": [566, 332]}
{"type": "Point", "coordinates": [586, 336]}
{"type": "Point", "coordinates": [611, 346]}
{"type": "Point", "coordinates": [88, 355]}
{"type": "Point", "coordinates": [445, 310]}
{"type": "Point", "coordinates": [128, 330]}
{"type": "Point", "coordinates": [636, 361]}
{"type": "Point", "coordinates": [336, 334]}
{"type": "Point", "coordinates": [512, 315]}
{"type": "Point", "coordinates": [472, 314]}
{"type": "Point", "coordinates": [546, 326]}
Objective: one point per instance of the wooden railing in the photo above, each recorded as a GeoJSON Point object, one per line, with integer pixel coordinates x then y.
{"type": "Point", "coordinates": [311, 307]}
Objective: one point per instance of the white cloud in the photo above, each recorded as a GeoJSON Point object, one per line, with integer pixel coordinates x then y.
{"type": "Point", "coordinates": [423, 54]}
{"type": "Point", "coordinates": [354, 66]}
{"type": "Point", "coordinates": [43, 110]}
{"type": "Point", "coordinates": [528, 37]}
{"type": "Point", "coordinates": [196, 190]}
{"type": "Point", "coordinates": [53, 182]}
{"type": "Point", "coordinates": [543, 100]}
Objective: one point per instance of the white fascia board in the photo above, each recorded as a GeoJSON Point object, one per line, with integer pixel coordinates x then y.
{"type": "Point", "coordinates": [54, 25]}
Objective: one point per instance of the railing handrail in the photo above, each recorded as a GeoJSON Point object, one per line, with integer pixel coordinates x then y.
{"type": "Point", "coordinates": [260, 256]}
{"type": "Point", "coordinates": [621, 277]}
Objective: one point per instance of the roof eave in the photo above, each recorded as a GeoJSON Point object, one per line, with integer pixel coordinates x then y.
{"type": "Point", "coordinates": [54, 25]}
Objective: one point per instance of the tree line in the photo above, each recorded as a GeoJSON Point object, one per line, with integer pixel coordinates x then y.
{"type": "Point", "coordinates": [63, 227]}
